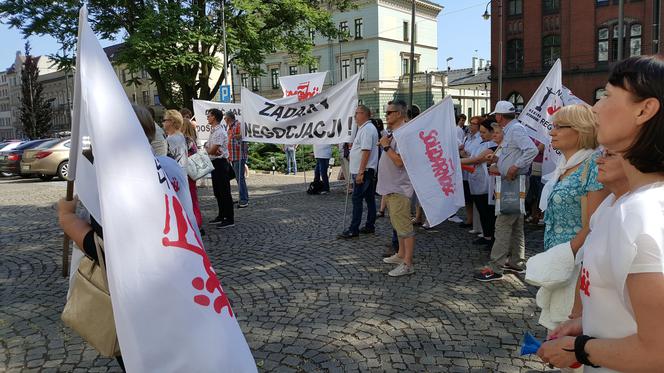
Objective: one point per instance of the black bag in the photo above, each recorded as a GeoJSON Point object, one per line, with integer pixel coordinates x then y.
{"type": "Point", "coordinates": [315, 187]}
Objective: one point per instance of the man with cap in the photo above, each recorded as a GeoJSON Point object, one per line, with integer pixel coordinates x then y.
{"type": "Point", "coordinates": [516, 155]}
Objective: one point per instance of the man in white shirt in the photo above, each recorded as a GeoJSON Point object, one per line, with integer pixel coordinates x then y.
{"type": "Point", "coordinates": [363, 164]}
{"type": "Point", "coordinates": [322, 153]}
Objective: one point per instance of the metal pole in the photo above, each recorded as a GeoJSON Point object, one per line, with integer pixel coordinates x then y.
{"type": "Point", "coordinates": [412, 57]}
{"type": "Point", "coordinates": [500, 53]}
{"type": "Point", "coordinates": [68, 115]}
{"type": "Point", "coordinates": [655, 27]}
{"type": "Point", "coordinates": [223, 31]}
{"type": "Point", "coordinates": [65, 240]}
{"type": "Point", "coordinates": [343, 224]}
{"type": "Point", "coordinates": [621, 27]}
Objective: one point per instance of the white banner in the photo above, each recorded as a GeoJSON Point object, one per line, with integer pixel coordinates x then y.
{"type": "Point", "coordinates": [327, 118]}
{"type": "Point", "coordinates": [171, 313]}
{"type": "Point", "coordinates": [429, 150]}
{"type": "Point", "coordinates": [201, 108]}
{"type": "Point", "coordinates": [304, 86]}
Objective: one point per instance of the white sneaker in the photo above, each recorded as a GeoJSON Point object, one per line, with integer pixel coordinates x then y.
{"type": "Point", "coordinates": [472, 231]}
{"type": "Point", "coordinates": [455, 219]}
{"type": "Point", "coordinates": [402, 270]}
{"type": "Point", "coordinates": [394, 259]}
{"type": "Point", "coordinates": [480, 235]}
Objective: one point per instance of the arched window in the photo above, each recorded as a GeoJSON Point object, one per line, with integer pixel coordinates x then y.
{"type": "Point", "coordinates": [514, 55]}
{"type": "Point", "coordinates": [550, 50]}
{"type": "Point", "coordinates": [517, 100]}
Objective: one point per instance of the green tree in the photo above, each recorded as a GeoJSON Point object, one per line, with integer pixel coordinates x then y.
{"type": "Point", "coordinates": [178, 42]}
{"type": "Point", "coordinates": [35, 111]}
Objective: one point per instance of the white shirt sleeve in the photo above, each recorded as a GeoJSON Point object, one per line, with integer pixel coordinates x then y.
{"type": "Point", "coordinates": [649, 256]}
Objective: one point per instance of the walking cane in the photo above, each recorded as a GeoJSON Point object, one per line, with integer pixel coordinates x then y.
{"type": "Point", "coordinates": [65, 242]}
{"type": "Point", "coordinates": [304, 167]}
{"type": "Point", "coordinates": [346, 203]}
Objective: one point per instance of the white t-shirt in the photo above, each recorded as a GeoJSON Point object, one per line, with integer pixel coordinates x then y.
{"type": "Point", "coordinates": [478, 181]}
{"type": "Point", "coordinates": [323, 151]}
{"type": "Point", "coordinates": [366, 138]}
{"type": "Point", "coordinates": [627, 236]}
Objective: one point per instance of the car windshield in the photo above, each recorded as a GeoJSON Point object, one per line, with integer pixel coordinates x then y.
{"type": "Point", "coordinates": [30, 144]}
{"type": "Point", "coordinates": [48, 144]}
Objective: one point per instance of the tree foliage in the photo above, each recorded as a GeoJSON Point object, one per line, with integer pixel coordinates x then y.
{"type": "Point", "coordinates": [35, 111]}
{"type": "Point", "coordinates": [179, 43]}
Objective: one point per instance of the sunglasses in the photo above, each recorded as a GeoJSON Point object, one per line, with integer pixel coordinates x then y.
{"type": "Point", "coordinates": [388, 112]}
{"type": "Point", "coordinates": [557, 127]}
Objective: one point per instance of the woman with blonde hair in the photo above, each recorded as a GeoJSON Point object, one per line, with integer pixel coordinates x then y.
{"type": "Point", "coordinates": [177, 144]}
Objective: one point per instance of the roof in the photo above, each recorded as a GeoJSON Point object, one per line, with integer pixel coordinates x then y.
{"type": "Point", "coordinates": [112, 50]}
{"type": "Point", "coordinates": [466, 76]}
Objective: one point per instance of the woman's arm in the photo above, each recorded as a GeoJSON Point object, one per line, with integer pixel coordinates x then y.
{"type": "Point", "coordinates": [481, 158]}
{"type": "Point", "coordinates": [73, 226]}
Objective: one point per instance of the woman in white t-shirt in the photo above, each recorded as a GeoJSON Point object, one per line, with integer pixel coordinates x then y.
{"type": "Point", "coordinates": [622, 278]}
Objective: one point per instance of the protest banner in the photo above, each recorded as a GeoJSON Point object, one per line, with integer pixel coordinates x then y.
{"type": "Point", "coordinates": [430, 153]}
{"type": "Point", "coordinates": [171, 313]}
{"type": "Point", "coordinates": [201, 108]}
{"type": "Point", "coordinates": [327, 118]}
{"type": "Point", "coordinates": [304, 86]}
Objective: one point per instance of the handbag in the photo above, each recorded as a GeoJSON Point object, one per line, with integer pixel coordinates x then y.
{"type": "Point", "coordinates": [511, 196]}
{"type": "Point", "coordinates": [199, 165]}
{"type": "Point", "coordinates": [88, 310]}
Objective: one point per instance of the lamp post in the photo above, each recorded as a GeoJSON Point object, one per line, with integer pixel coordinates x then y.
{"type": "Point", "coordinates": [448, 59]}
{"type": "Point", "coordinates": [486, 16]}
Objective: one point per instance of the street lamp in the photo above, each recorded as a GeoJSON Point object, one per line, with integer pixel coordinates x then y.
{"type": "Point", "coordinates": [486, 17]}
{"type": "Point", "coordinates": [448, 59]}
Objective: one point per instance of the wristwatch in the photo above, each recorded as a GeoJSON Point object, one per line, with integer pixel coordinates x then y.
{"type": "Point", "coordinates": [386, 148]}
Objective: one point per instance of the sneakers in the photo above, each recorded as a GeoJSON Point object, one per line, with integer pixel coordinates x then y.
{"type": "Point", "coordinates": [365, 230]}
{"type": "Point", "coordinates": [325, 192]}
{"type": "Point", "coordinates": [455, 219]}
{"type": "Point", "coordinates": [487, 275]}
{"type": "Point", "coordinates": [402, 269]}
{"type": "Point", "coordinates": [510, 268]}
{"type": "Point", "coordinates": [394, 259]}
{"type": "Point", "coordinates": [348, 234]}
{"type": "Point", "coordinates": [472, 231]}
{"type": "Point", "coordinates": [215, 220]}
{"type": "Point", "coordinates": [225, 224]}
{"type": "Point", "coordinates": [242, 205]}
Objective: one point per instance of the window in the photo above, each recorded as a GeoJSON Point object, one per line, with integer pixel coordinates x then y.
{"type": "Point", "coordinates": [550, 6]}
{"type": "Point", "coordinates": [470, 112]}
{"type": "Point", "coordinates": [133, 97]}
{"type": "Point", "coordinates": [292, 70]}
{"type": "Point", "coordinates": [345, 67]}
{"type": "Point", "coordinates": [359, 67]}
{"type": "Point", "coordinates": [599, 93]}
{"type": "Point", "coordinates": [244, 78]}
{"type": "Point", "coordinates": [358, 28]}
{"type": "Point", "coordinates": [405, 66]}
{"type": "Point", "coordinates": [124, 75]}
{"type": "Point", "coordinates": [343, 28]}
{"type": "Point", "coordinates": [274, 73]}
{"type": "Point", "coordinates": [515, 7]}
{"type": "Point", "coordinates": [313, 68]}
{"type": "Point", "coordinates": [312, 36]}
{"type": "Point", "coordinates": [602, 2]}
{"type": "Point", "coordinates": [415, 34]}
{"type": "Point", "coordinates": [144, 74]}
{"type": "Point", "coordinates": [514, 56]}
{"type": "Point", "coordinates": [517, 100]}
{"type": "Point", "coordinates": [406, 31]}
{"type": "Point", "coordinates": [614, 47]}
{"type": "Point", "coordinates": [255, 83]}
{"type": "Point", "coordinates": [635, 40]}
{"type": "Point", "coordinates": [146, 98]}
{"type": "Point", "coordinates": [550, 50]}
{"type": "Point", "coordinates": [603, 44]}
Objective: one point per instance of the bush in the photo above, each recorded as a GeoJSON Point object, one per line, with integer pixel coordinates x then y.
{"type": "Point", "coordinates": [260, 157]}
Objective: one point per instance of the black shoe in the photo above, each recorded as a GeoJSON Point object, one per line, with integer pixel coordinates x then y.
{"type": "Point", "coordinates": [242, 205]}
{"type": "Point", "coordinates": [215, 220]}
{"type": "Point", "coordinates": [348, 234]}
{"type": "Point", "coordinates": [202, 232]}
{"type": "Point", "coordinates": [465, 225]}
{"type": "Point", "coordinates": [487, 275]}
{"type": "Point", "coordinates": [225, 224]}
{"type": "Point", "coordinates": [482, 241]}
{"type": "Point", "coordinates": [365, 230]}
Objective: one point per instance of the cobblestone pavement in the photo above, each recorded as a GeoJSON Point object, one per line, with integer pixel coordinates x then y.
{"type": "Point", "coordinates": [306, 301]}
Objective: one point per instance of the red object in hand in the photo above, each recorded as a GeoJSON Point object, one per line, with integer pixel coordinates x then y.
{"type": "Point", "coordinates": [467, 167]}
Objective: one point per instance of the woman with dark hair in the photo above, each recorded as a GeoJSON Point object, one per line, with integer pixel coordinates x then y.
{"type": "Point", "coordinates": [622, 278]}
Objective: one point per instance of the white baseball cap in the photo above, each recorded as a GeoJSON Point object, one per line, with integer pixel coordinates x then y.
{"type": "Point", "coordinates": [503, 107]}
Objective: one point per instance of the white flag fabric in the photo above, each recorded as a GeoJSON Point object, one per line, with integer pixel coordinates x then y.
{"type": "Point", "coordinates": [327, 118]}
{"type": "Point", "coordinates": [304, 86]}
{"type": "Point", "coordinates": [201, 108]}
{"type": "Point", "coordinates": [170, 311]}
{"type": "Point", "coordinates": [430, 153]}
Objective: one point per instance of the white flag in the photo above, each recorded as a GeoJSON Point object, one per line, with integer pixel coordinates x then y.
{"type": "Point", "coordinates": [171, 313]}
{"type": "Point", "coordinates": [546, 100]}
{"type": "Point", "coordinates": [304, 86]}
{"type": "Point", "coordinates": [326, 118]}
{"type": "Point", "coordinates": [430, 153]}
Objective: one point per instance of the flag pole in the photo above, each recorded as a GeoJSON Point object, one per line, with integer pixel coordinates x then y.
{"type": "Point", "coordinates": [65, 242]}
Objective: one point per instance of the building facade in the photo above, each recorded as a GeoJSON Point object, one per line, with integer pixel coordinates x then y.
{"type": "Point", "coordinates": [6, 128]}
{"type": "Point", "coordinates": [377, 45]}
{"type": "Point", "coordinates": [583, 34]}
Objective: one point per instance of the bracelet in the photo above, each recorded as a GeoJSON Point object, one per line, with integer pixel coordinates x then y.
{"type": "Point", "coordinates": [580, 350]}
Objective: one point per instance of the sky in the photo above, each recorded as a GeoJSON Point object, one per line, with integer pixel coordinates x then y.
{"type": "Point", "coordinates": [462, 35]}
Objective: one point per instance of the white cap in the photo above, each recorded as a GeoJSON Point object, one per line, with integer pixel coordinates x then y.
{"type": "Point", "coordinates": [503, 107]}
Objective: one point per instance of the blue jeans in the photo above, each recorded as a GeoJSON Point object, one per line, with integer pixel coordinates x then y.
{"type": "Point", "coordinates": [291, 158]}
{"type": "Point", "coordinates": [364, 192]}
{"type": "Point", "coordinates": [238, 167]}
{"type": "Point", "coordinates": [320, 172]}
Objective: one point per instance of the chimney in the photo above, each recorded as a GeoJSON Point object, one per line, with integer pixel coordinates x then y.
{"type": "Point", "coordinates": [481, 64]}
{"type": "Point", "coordinates": [474, 65]}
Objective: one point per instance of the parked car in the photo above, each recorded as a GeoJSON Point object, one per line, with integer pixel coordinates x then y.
{"type": "Point", "coordinates": [47, 160]}
{"type": "Point", "coordinates": [10, 161]}
{"type": "Point", "coordinates": [10, 144]}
